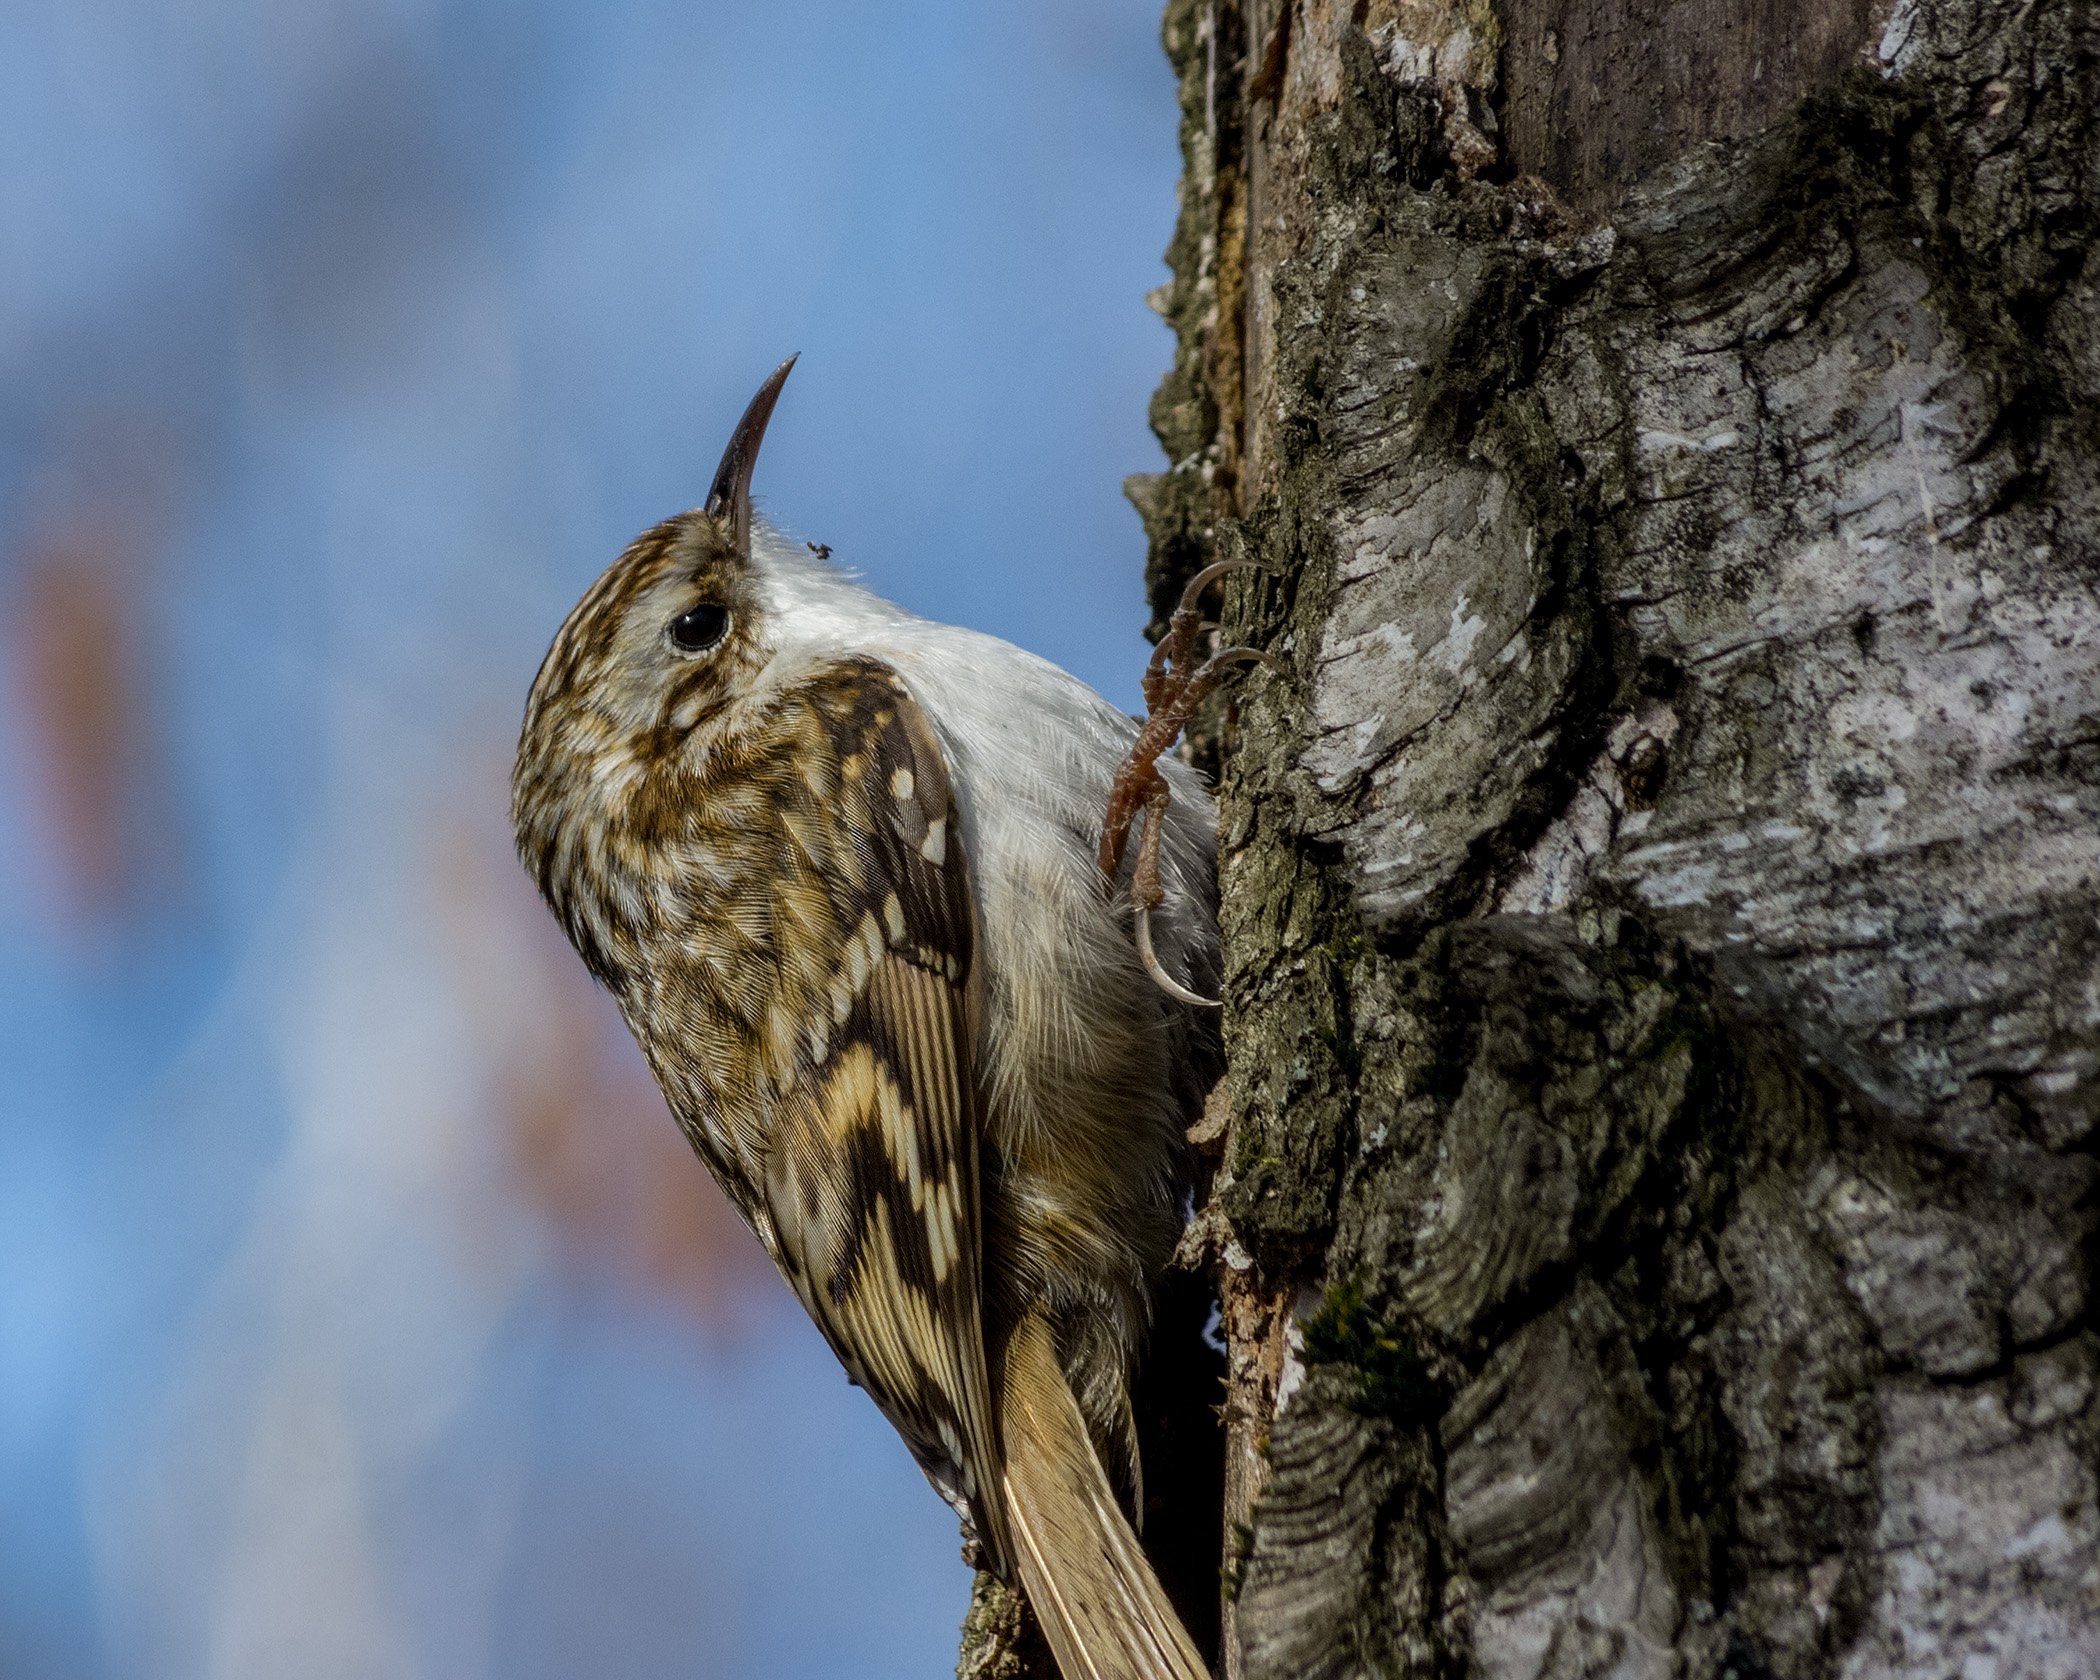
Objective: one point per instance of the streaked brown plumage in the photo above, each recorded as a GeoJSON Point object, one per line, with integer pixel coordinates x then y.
{"type": "Point", "coordinates": [836, 865]}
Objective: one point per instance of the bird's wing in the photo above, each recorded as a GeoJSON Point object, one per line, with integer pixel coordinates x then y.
{"type": "Point", "coordinates": [871, 1174]}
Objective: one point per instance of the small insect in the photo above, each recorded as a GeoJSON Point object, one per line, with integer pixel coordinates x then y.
{"type": "Point", "coordinates": [843, 869]}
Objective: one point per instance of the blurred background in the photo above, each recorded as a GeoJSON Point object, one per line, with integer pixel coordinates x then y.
{"type": "Point", "coordinates": [361, 1314]}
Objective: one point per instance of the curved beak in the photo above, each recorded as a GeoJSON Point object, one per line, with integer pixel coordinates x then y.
{"type": "Point", "coordinates": [730, 497]}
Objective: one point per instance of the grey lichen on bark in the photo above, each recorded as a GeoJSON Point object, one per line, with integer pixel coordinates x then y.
{"type": "Point", "coordinates": [1654, 1219]}
{"type": "Point", "coordinates": [1000, 1638]}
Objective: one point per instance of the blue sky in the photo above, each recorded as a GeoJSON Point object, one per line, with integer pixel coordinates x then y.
{"type": "Point", "coordinates": [356, 1316]}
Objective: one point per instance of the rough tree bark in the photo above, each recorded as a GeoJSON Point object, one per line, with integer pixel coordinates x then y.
{"type": "Point", "coordinates": [1654, 1208]}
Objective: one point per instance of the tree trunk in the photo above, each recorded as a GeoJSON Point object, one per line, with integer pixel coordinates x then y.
{"type": "Point", "coordinates": [1655, 1208]}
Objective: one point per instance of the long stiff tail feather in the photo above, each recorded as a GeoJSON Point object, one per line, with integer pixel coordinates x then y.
{"type": "Point", "coordinates": [1100, 1605]}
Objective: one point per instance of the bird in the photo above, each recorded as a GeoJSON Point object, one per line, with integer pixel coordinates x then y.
{"type": "Point", "coordinates": [855, 879]}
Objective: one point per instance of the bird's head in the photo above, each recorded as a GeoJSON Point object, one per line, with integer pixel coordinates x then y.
{"type": "Point", "coordinates": [645, 677]}
{"type": "Point", "coordinates": [673, 628]}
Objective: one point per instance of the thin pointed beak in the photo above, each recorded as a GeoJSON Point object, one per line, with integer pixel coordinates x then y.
{"type": "Point", "coordinates": [731, 495]}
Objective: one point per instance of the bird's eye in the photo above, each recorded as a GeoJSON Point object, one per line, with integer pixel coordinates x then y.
{"type": "Point", "coordinates": [699, 628]}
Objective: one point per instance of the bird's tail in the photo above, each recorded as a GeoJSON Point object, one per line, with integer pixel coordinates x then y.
{"type": "Point", "coordinates": [1092, 1589]}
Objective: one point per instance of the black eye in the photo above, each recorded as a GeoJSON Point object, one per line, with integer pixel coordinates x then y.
{"type": "Point", "coordinates": [700, 628]}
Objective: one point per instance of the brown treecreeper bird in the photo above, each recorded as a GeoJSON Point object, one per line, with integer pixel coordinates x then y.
{"type": "Point", "coordinates": [842, 868]}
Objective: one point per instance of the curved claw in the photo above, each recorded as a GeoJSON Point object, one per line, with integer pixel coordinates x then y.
{"type": "Point", "coordinates": [1160, 977]}
{"type": "Point", "coordinates": [1192, 591]}
{"type": "Point", "coordinates": [1243, 656]}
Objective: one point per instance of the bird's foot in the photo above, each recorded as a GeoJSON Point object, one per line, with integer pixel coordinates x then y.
{"type": "Point", "coordinates": [1175, 685]}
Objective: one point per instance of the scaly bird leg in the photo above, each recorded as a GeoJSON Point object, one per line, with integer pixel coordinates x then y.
{"type": "Point", "coordinates": [1138, 777]}
{"type": "Point", "coordinates": [1166, 676]}
{"type": "Point", "coordinates": [1173, 691]}
{"type": "Point", "coordinates": [1146, 894]}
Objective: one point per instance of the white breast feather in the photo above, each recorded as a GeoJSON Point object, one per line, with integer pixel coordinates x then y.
{"type": "Point", "coordinates": [1034, 752]}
